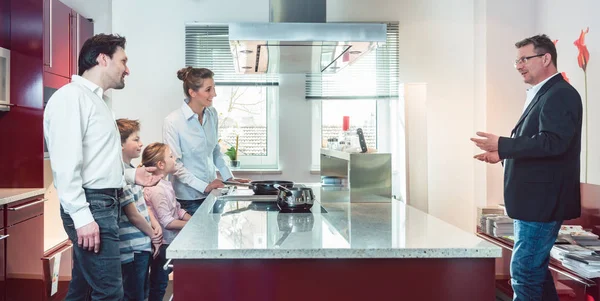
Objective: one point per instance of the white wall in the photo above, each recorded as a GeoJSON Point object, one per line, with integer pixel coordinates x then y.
{"type": "Point", "coordinates": [504, 90]}
{"type": "Point", "coordinates": [563, 21]}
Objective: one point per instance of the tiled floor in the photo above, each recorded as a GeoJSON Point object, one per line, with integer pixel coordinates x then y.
{"type": "Point", "coordinates": [502, 297]}
{"type": "Point", "coordinates": [169, 291]}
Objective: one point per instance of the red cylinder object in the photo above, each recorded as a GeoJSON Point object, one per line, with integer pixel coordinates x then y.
{"type": "Point", "coordinates": [346, 123]}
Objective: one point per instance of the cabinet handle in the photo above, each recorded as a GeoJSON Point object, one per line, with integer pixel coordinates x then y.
{"type": "Point", "coordinates": [168, 265]}
{"type": "Point", "coordinates": [61, 250]}
{"type": "Point", "coordinates": [3, 237]}
{"type": "Point", "coordinates": [50, 37]}
{"type": "Point", "coordinates": [27, 205]}
{"type": "Point", "coordinates": [76, 67]}
{"type": "Point", "coordinates": [70, 45]}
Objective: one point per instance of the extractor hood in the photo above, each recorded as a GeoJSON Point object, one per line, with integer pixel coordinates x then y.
{"type": "Point", "coordinates": [305, 44]}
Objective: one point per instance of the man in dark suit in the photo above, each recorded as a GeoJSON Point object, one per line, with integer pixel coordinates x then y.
{"type": "Point", "coordinates": [541, 166]}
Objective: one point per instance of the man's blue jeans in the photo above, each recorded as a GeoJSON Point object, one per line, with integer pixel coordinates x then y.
{"type": "Point", "coordinates": [136, 283]}
{"type": "Point", "coordinates": [530, 277]}
{"type": "Point", "coordinates": [97, 276]}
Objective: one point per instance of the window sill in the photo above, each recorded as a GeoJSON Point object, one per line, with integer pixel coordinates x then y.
{"type": "Point", "coordinates": [255, 171]}
{"type": "Point", "coordinates": [318, 172]}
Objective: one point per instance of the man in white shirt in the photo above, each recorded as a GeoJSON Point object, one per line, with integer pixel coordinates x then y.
{"type": "Point", "coordinates": [85, 153]}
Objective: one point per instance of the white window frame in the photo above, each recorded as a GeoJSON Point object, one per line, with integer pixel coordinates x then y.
{"type": "Point", "coordinates": [271, 160]}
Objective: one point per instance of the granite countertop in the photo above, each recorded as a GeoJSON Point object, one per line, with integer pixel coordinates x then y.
{"type": "Point", "coordinates": [11, 195]}
{"type": "Point", "coordinates": [336, 228]}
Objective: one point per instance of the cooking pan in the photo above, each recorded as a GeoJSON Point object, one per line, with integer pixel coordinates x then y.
{"type": "Point", "coordinates": [295, 199]}
{"type": "Point", "coordinates": [263, 187]}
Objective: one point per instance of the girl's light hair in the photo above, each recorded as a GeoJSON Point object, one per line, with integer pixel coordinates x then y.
{"type": "Point", "coordinates": [153, 153]}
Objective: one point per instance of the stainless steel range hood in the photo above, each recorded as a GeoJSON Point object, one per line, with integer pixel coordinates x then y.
{"type": "Point", "coordinates": [297, 40]}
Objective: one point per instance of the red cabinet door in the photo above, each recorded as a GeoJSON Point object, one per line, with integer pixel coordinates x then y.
{"type": "Point", "coordinates": [5, 24]}
{"type": "Point", "coordinates": [24, 249]}
{"type": "Point", "coordinates": [84, 30]}
{"type": "Point", "coordinates": [3, 264]}
{"type": "Point", "coordinates": [57, 39]}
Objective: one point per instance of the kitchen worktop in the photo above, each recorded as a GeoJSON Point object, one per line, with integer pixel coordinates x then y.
{"type": "Point", "coordinates": [336, 228]}
{"type": "Point", "coordinates": [11, 195]}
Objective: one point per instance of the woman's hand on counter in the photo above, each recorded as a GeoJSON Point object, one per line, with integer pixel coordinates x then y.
{"type": "Point", "coordinates": [239, 180]}
{"type": "Point", "coordinates": [213, 185]}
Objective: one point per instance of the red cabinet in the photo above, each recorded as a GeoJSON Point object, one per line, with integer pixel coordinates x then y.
{"type": "Point", "coordinates": [64, 32]}
{"type": "Point", "coordinates": [21, 128]}
{"type": "Point", "coordinates": [57, 39]}
{"type": "Point", "coordinates": [24, 248]}
{"type": "Point", "coordinates": [5, 24]}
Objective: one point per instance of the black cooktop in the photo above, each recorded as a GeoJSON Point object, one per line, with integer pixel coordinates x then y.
{"type": "Point", "coordinates": [230, 207]}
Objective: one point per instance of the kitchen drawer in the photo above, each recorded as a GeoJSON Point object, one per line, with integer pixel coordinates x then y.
{"type": "Point", "coordinates": [24, 270]}
{"type": "Point", "coordinates": [25, 209]}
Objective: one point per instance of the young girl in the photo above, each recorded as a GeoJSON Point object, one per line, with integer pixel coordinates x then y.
{"type": "Point", "coordinates": [161, 200]}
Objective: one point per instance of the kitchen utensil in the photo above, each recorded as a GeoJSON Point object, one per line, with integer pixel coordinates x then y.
{"type": "Point", "coordinates": [263, 187]}
{"type": "Point", "coordinates": [295, 198]}
{"type": "Point", "coordinates": [361, 140]}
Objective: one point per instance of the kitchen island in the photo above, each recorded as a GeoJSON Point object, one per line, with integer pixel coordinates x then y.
{"type": "Point", "coordinates": [237, 249]}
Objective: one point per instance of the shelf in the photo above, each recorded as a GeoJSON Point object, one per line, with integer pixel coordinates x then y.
{"type": "Point", "coordinates": [554, 265]}
{"type": "Point", "coordinates": [567, 290]}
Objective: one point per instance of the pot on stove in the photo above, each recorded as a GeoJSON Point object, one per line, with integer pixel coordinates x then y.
{"type": "Point", "coordinates": [295, 199]}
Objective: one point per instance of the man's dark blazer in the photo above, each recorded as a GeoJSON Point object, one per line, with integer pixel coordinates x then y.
{"type": "Point", "coordinates": [542, 166]}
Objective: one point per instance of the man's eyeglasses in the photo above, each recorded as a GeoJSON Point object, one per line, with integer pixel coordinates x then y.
{"type": "Point", "coordinates": [525, 58]}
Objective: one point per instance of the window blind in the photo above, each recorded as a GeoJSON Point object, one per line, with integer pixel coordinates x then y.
{"type": "Point", "coordinates": [375, 75]}
{"type": "Point", "coordinates": [207, 46]}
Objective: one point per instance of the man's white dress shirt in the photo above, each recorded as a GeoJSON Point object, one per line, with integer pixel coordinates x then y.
{"type": "Point", "coordinates": [84, 146]}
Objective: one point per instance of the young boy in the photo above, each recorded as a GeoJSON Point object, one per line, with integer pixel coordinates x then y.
{"type": "Point", "coordinates": [139, 231]}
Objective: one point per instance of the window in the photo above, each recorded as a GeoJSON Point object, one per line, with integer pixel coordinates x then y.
{"type": "Point", "coordinates": [362, 113]}
{"type": "Point", "coordinates": [246, 104]}
{"type": "Point", "coordinates": [362, 91]}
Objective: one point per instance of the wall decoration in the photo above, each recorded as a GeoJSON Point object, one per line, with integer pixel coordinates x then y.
{"type": "Point", "coordinates": [582, 59]}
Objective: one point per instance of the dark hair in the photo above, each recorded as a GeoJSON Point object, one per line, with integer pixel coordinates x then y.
{"type": "Point", "coordinates": [193, 78]}
{"type": "Point", "coordinates": [541, 44]}
{"type": "Point", "coordinates": [100, 43]}
{"type": "Point", "coordinates": [153, 153]}
{"type": "Point", "coordinates": [127, 127]}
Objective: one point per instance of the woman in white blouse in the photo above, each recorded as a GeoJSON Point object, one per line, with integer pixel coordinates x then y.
{"type": "Point", "coordinates": [192, 133]}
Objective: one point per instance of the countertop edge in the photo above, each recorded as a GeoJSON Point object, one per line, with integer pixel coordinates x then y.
{"type": "Point", "coordinates": [21, 196]}
{"type": "Point", "coordinates": [472, 253]}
